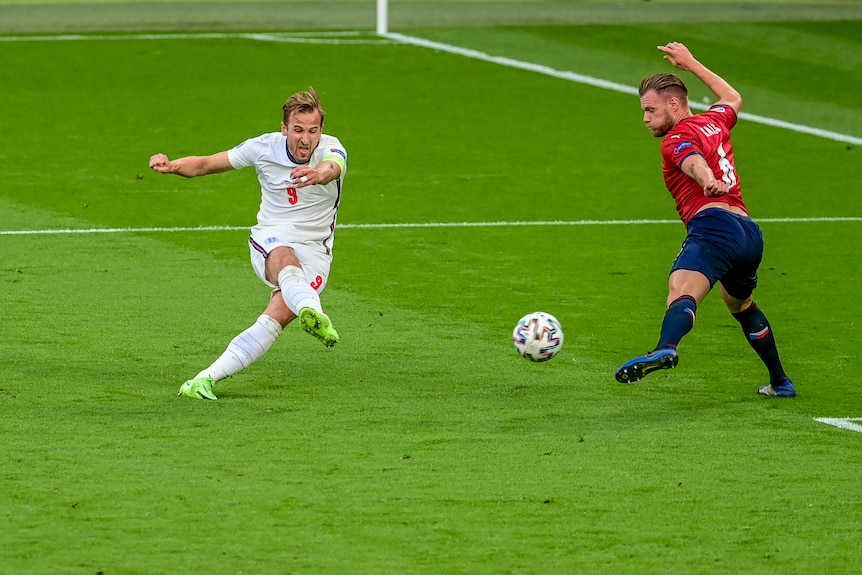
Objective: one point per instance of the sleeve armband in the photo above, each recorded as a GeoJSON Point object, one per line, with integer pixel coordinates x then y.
{"type": "Point", "coordinates": [336, 157]}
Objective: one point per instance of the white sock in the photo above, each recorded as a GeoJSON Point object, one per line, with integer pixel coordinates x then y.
{"type": "Point", "coordinates": [296, 291]}
{"type": "Point", "coordinates": [245, 349]}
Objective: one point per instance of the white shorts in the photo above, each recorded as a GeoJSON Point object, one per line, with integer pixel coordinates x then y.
{"type": "Point", "coordinates": [315, 263]}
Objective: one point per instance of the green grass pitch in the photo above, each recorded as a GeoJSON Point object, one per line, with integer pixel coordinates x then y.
{"type": "Point", "coordinates": [422, 443]}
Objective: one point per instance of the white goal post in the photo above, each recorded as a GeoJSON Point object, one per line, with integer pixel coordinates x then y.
{"type": "Point", "coordinates": [382, 17]}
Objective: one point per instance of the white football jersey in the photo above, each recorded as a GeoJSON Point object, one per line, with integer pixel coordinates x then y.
{"type": "Point", "coordinates": [308, 212]}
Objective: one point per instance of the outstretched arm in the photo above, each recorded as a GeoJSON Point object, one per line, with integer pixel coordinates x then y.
{"type": "Point", "coordinates": [191, 166]}
{"type": "Point", "coordinates": [677, 54]}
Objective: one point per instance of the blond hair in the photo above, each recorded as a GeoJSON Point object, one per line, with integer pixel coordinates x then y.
{"type": "Point", "coordinates": [664, 84]}
{"type": "Point", "coordinates": [305, 102]}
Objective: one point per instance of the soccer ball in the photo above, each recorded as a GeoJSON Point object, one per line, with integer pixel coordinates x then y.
{"type": "Point", "coordinates": [538, 336]}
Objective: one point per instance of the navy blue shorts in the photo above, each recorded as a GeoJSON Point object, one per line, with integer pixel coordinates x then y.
{"type": "Point", "coordinates": [725, 247]}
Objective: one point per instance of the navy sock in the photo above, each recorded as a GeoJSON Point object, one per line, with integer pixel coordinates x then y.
{"type": "Point", "coordinates": [678, 321]}
{"type": "Point", "coordinates": [758, 332]}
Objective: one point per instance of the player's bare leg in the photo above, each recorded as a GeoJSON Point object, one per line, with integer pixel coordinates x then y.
{"type": "Point", "coordinates": [284, 269]}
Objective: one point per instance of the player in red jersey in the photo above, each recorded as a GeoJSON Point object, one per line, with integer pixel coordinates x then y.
{"type": "Point", "coordinates": [723, 245]}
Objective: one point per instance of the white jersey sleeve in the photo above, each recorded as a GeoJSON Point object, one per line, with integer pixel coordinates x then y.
{"type": "Point", "coordinates": [248, 152]}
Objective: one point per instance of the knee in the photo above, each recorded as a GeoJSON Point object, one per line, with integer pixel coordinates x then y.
{"type": "Point", "coordinates": [737, 305]}
{"type": "Point", "coordinates": [281, 257]}
{"type": "Point", "coordinates": [687, 283]}
{"type": "Point", "coordinates": [278, 260]}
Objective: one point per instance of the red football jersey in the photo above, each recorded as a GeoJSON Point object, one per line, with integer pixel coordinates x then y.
{"type": "Point", "coordinates": [707, 134]}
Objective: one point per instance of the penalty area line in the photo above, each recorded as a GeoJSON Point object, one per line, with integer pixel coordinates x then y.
{"type": "Point", "coordinates": [842, 422]}
{"type": "Point", "coordinates": [407, 225]}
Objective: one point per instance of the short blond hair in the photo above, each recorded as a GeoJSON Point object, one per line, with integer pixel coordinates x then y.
{"type": "Point", "coordinates": [664, 84]}
{"type": "Point", "coordinates": [305, 101]}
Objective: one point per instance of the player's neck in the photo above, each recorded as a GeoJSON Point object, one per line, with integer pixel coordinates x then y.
{"type": "Point", "coordinates": [683, 115]}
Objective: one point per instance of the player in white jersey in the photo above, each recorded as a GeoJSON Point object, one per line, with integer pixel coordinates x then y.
{"type": "Point", "coordinates": [301, 171]}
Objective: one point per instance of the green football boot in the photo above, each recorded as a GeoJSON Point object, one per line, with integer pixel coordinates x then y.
{"type": "Point", "coordinates": [198, 388]}
{"type": "Point", "coordinates": [317, 324]}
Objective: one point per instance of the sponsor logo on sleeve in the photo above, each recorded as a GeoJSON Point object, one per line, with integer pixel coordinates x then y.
{"type": "Point", "coordinates": [681, 147]}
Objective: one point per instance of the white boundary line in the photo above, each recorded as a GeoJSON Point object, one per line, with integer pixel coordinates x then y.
{"type": "Point", "coordinates": [352, 37]}
{"type": "Point", "coordinates": [607, 85]}
{"type": "Point", "coordinates": [345, 37]}
{"type": "Point", "coordinates": [842, 422]}
{"type": "Point", "coordinates": [382, 226]}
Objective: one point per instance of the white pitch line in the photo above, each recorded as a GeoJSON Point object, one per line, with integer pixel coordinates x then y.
{"type": "Point", "coordinates": [121, 230]}
{"type": "Point", "coordinates": [403, 225]}
{"type": "Point", "coordinates": [336, 38]}
{"type": "Point", "coordinates": [607, 85]}
{"type": "Point", "coordinates": [842, 422]}
{"type": "Point", "coordinates": [343, 38]}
